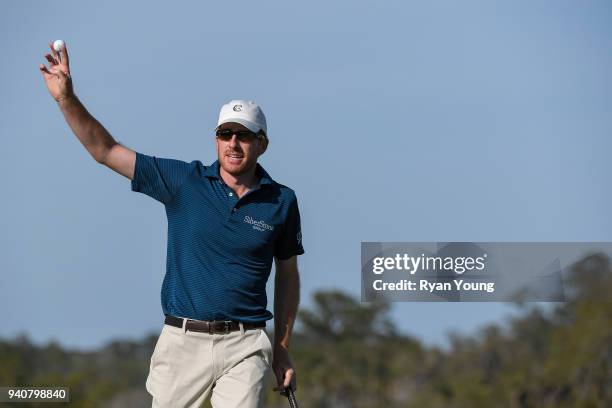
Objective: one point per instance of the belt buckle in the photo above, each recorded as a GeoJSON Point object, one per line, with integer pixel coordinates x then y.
{"type": "Point", "coordinates": [227, 325]}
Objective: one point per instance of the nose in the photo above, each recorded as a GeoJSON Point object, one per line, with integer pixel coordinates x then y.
{"type": "Point", "coordinates": [233, 142]}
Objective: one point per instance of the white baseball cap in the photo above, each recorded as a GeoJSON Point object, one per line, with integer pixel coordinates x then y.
{"type": "Point", "coordinates": [247, 113]}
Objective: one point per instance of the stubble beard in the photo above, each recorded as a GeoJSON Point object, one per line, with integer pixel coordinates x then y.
{"type": "Point", "coordinates": [244, 168]}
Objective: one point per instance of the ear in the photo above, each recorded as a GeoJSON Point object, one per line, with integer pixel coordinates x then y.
{"type": "Point", "coordinates": [263, 144]}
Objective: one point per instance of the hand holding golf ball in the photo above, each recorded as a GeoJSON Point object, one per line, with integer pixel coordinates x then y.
{"type": "Point", "coordinates": [57, 74]}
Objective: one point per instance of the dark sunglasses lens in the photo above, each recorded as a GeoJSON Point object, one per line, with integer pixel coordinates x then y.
{"type": "Point", "coordinates": [245, 136]}
{"type": "Point", "coordinates": [224, 134]}
{"type": "Point", "coordinates": [241, 135]}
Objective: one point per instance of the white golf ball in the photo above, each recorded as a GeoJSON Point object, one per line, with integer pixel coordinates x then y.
{"type": "Point", "coordinates": [57, 45]}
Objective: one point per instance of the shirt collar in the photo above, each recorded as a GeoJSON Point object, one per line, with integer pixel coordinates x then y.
{"type": "Point", "coordinates": [213, 172]}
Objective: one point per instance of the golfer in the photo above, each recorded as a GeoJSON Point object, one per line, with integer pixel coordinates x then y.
{"type": "Point", "coordinates": [226, 223]}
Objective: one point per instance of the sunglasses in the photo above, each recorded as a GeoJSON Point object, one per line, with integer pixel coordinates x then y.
{"type": "Point", "coordinates": [241, 135]}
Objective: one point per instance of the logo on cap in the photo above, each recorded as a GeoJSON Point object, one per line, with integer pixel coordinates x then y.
{"type": "Point", "coordinates": [237, 108]}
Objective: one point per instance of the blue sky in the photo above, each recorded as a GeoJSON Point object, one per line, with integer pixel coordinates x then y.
{"type": "Point", "coordinates": [393, 121]}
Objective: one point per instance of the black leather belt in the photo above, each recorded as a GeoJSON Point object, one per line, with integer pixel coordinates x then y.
{"type": "Point", "coordinates": [210, 327]}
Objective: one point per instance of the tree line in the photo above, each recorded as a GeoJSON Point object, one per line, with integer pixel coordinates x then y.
{"type": "Point", "coordinates": [351, 354]}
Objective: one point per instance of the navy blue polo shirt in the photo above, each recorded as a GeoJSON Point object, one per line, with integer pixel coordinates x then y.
{"type": "Point", "coordinates": [220, 248]}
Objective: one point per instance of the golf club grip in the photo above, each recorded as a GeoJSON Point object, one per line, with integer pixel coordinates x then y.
{"type": "Point", "coordinates": [291, 398]}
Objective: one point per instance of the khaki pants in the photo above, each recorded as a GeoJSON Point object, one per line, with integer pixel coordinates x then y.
{"type": "Point", "coordinates": [187, 366]}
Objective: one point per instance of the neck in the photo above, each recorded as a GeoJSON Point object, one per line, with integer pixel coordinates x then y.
{"type": "Point", "coordinates": [241, 183]}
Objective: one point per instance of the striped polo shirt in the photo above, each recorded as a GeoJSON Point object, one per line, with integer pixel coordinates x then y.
{"type": "Point", "coordinates": [220, 247]}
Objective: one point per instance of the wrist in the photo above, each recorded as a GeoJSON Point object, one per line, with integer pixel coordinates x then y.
{"type": "Point", "coordinates": [64, 99]}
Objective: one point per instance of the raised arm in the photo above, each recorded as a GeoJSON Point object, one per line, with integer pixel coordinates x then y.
{"type": "Point", "coordinates": [94, 137]}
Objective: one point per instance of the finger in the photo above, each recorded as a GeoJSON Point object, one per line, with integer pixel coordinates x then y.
{"type": "Point", "coordinates": [64, 54]}
{"type": "Point", "coordinates": [50, 59]}
{"type": "Point", "coordinates": [44, 69]}
{"type": "Point", "coordinates": [54, 53]}
{"type": "Point", "coordinates": [52, 70]}
{"type": "Point", "coordinates": [59, 71]}
{"type": "Point", "coordinates": [289, 381]}
{"type": "Point", "coordinates": [279, 382]}
{"type": "Point", "coordinates": [289, 374]}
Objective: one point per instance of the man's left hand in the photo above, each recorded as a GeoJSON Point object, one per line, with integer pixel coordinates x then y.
{"type": "Point", "coordinates": [283, 369]}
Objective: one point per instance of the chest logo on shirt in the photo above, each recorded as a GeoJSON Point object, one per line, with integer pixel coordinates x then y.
{"type": "Point", "coordinates": [258, 225]}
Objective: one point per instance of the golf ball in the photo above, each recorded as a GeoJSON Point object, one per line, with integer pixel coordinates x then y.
{"type": "Point", "coordinates": [57, 45]}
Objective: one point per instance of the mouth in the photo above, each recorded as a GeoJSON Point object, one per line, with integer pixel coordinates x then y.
{"type": "Point", "coordinates": [234, 158]}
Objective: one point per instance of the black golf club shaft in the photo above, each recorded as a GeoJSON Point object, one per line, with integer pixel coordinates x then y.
{"type": "Point", "coordinates": [291, 397]}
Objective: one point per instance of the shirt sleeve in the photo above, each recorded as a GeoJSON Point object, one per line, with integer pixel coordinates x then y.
{"type": "Point", "coordinates": [289, 242]}
{"type": "Point", "coordinates": [159, 178]}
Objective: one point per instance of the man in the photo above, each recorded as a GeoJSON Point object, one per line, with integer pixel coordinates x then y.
{"type": "Point", "coordinates": [226, 223]}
